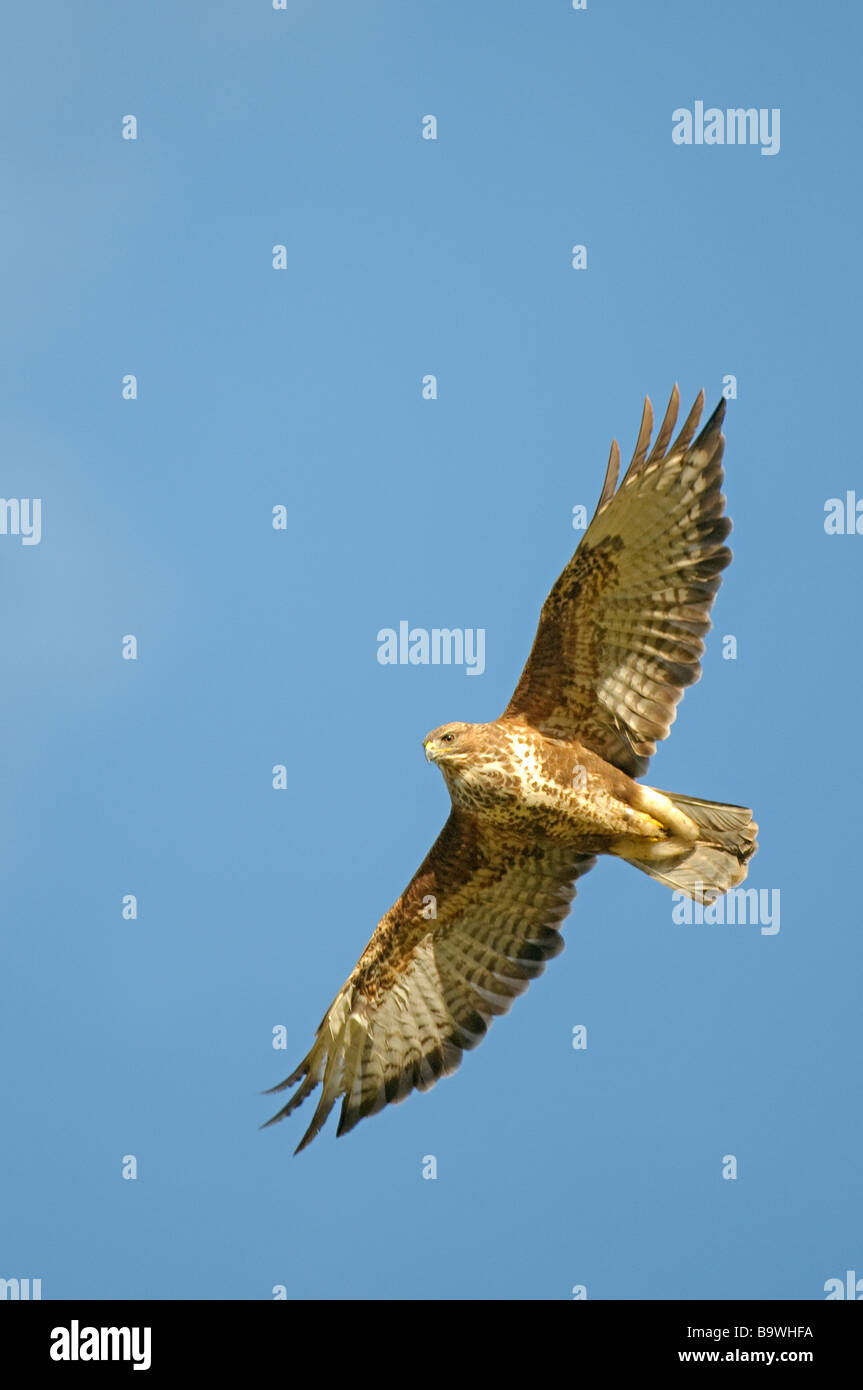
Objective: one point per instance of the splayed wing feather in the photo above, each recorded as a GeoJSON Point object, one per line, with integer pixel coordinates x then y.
{"type": "Point", "coordinates": [644, 432]}
{"type": "Point", "coordinates": [611, 476]}
{"type": "Point", "coordinates": [666, 429]}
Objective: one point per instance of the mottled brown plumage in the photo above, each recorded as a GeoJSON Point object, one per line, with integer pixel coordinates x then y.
{"type": "Point", "coordinates": [542, 790]}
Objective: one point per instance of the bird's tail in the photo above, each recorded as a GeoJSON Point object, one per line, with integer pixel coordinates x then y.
{"type": "Point", "coordinates": [716, 861]}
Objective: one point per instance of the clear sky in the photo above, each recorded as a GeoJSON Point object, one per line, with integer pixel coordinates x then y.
{"type": "Point", "coordinates": [557, 1167]}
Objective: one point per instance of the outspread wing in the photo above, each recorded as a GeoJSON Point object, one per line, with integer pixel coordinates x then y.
{"type": "Point", "coordinates": [426, 987]}
{"type": "Point", "coordinates": [620, 634]}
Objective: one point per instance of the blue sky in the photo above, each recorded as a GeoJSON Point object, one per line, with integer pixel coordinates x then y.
{"type": "Point", "coordinates": [557, 1167]}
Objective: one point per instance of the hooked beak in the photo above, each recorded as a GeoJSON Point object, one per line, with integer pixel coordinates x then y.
{"type": "Point", "coordinates": [430, 750]}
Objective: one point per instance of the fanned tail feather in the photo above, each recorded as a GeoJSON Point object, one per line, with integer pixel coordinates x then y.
{"type": "Point", "coordinates": [719, 858]}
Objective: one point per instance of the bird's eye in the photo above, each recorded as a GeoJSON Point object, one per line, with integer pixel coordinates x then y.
{"type": "Point", "coordinates": [447, 738]}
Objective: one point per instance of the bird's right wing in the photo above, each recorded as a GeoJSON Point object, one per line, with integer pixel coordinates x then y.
{"type": "Point", "coordinates": [475, 925]}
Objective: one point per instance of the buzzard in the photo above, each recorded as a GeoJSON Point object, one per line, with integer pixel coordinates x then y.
{"type": "Point", "coordinates": [539, 792]}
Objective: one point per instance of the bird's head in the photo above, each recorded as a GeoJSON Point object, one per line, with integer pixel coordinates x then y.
{"type": "Point", "coordinates": [469, 756]}
{"type": "Point", "coordinates": [450, 746]}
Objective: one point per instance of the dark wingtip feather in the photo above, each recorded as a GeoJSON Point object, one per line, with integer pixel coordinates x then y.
{"type": "Point", "coordinates": [274, 1119]}
{"type": "Point", "coordinates": [291, 1080]}
{"type": "Point", "coordinates": [307, 1138]}
{"type": "Point", "coordinates": [309, 1084]}
{"type": "Point", "coordinates": [319, 1119]}
{"type": "Point", "coordinates": [714, 424]}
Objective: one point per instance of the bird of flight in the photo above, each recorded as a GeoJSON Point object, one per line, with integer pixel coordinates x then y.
{"type": "Point", "coordinates": [539, 792]}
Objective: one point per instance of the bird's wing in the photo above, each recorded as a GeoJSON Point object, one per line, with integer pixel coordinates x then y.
{"type": "Point", "coordinates": [620, 634]}
{"type": "Point", "coordinates": [427, 986]}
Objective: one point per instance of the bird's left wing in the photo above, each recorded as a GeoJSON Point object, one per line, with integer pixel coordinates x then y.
{"type": "Point", "coordinates": [475, 925]}
{"type": "Point", "coordinates": [620, 634]}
